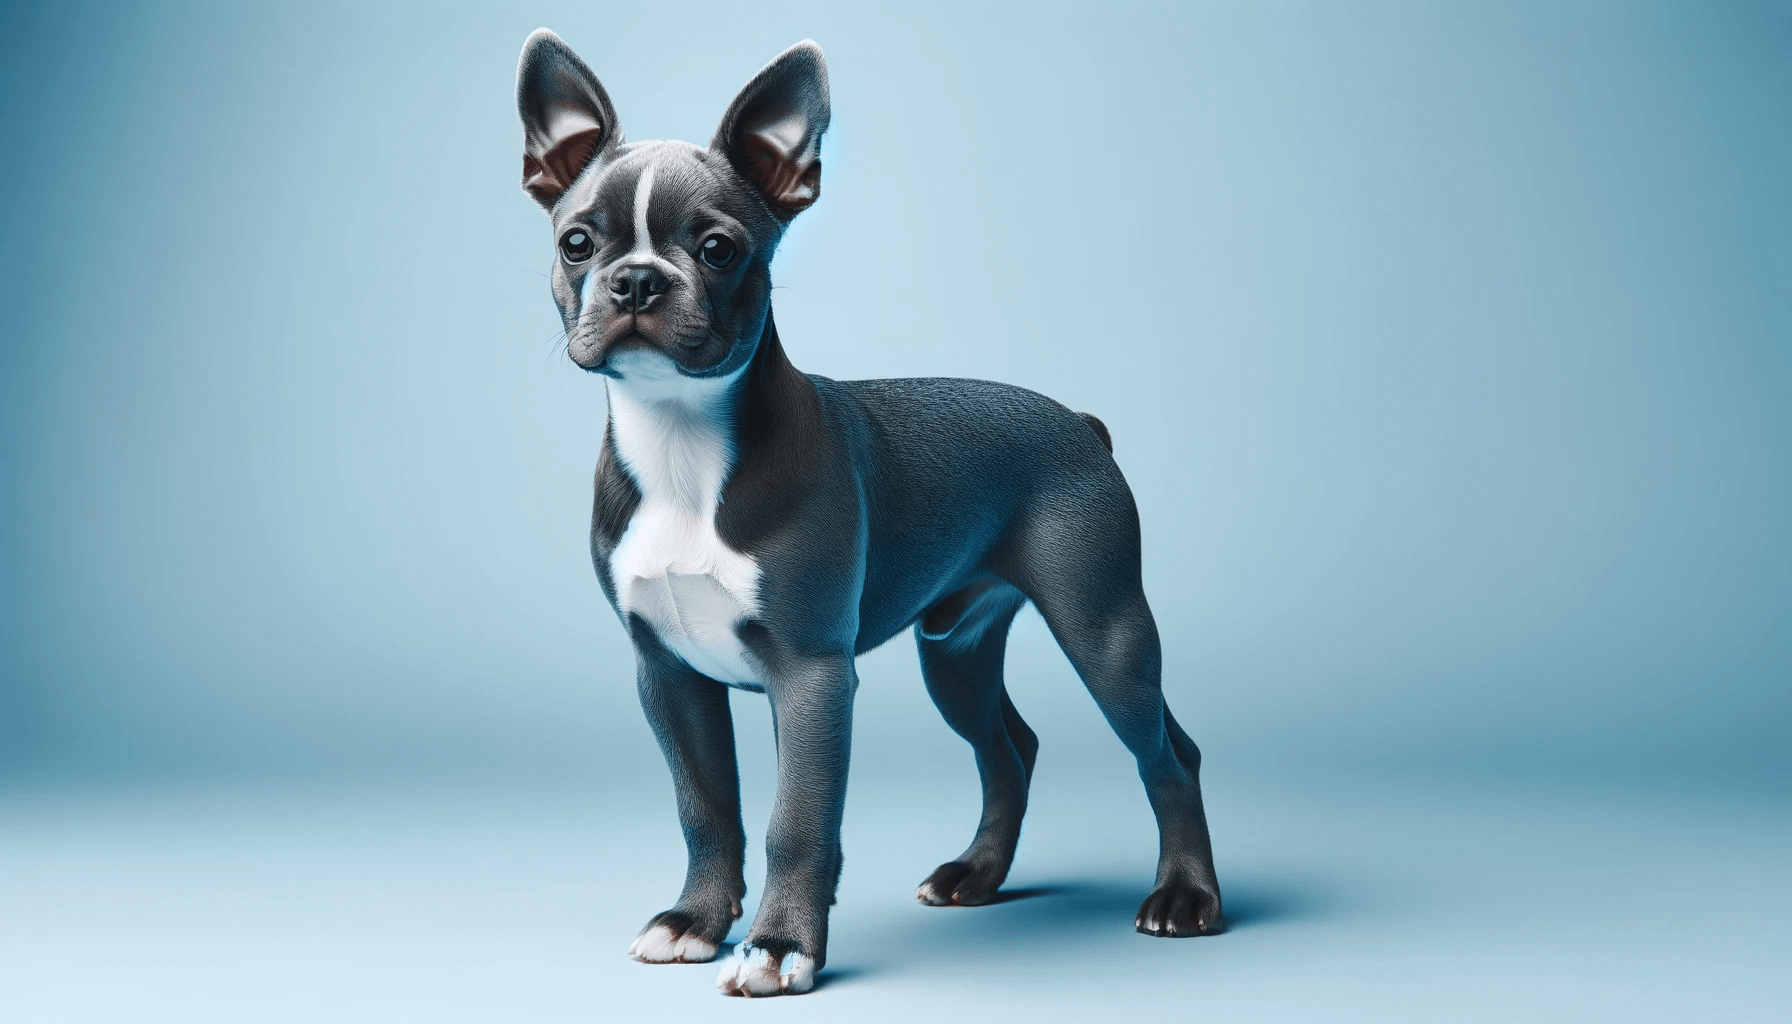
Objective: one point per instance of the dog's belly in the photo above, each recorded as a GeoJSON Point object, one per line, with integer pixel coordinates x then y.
{"type": "Point", "coordinates": [673, 570]}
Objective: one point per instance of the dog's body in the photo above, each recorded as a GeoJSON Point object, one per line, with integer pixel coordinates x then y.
{"type": "Point", "coordinates": [757, 527]}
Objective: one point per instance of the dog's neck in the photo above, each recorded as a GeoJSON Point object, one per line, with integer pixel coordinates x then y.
{"type": "Point", "coordinates": [680, 436]}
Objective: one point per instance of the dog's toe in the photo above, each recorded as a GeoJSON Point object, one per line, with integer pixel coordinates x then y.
{"type": "Point", "coordinates": [959, 883]}
{"type": "Point", "coordinates": [763, 971]}
{"type": "Point", "coordinates": [670, 938]}
{"type": "Point", "coordinates": [937, 890]}
{"type": "Point", "coordinates": [1180, 910]}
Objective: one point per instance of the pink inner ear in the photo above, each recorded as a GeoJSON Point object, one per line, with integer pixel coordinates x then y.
{"type": "Point", "coordinates": [788, 186]}
{"type": "Point", "coordinates": [546, 178]}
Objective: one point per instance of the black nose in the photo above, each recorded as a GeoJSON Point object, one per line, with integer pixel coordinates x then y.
{"type": "Point", "coordinates": [634, 286]}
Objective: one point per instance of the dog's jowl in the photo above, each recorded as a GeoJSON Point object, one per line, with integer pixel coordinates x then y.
{"type": "Point", "coordinates": [758, 527]}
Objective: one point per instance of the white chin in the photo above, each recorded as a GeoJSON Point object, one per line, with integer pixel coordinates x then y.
{"type": "Point", "coordinates": [644, 366]}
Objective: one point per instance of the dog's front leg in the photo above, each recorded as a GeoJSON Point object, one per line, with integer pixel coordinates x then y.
{"type": "Point", "coordinates": [811, 703]}
{"type": "Point", "coordinates": [690, 718]}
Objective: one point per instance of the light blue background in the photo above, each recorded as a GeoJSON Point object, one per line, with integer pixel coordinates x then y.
{"type": "Point", "coordinates": [1448, 349]}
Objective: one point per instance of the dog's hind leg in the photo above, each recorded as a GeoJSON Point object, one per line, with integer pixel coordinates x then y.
{"type": "Point", "coordinates": [962, 640]}
{"type": "Point", "coordinates": [1085, 579]}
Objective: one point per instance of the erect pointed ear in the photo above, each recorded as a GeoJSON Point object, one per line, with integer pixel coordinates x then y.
{"type": "Point", "coordinates": [567, 117]}
{"type": "Point", "coordinates": [772, 131]}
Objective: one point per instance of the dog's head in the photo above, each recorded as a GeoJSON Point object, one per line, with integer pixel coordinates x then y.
{"type": "Point", "coordinates": [663, 249]}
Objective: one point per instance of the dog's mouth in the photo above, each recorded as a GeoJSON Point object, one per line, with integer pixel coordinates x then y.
{"type": "Point", "coordinates": [638, 333]}
{"type": "Point", "coordinates": [633, 328]}
{"type": "Point", "coordinates": [626, 332]}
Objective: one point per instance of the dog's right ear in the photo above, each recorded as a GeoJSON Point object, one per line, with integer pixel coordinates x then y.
{"type": "Point", "coordinates": [567, 118]}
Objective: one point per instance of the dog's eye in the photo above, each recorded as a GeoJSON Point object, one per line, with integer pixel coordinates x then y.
{"type": "Point", "coordinates": [576, 245]}
{"type": "Point", "coordinates": [717, 251]}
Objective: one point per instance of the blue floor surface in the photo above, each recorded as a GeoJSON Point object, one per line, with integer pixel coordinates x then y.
{"type": "Point", "coordinates": [1346, 904]}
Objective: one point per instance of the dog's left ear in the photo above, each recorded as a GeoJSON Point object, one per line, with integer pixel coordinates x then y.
{"type": "Point", "coordinates": [772, 131]}
{"type": "Point", "coordinates": [567, 118]}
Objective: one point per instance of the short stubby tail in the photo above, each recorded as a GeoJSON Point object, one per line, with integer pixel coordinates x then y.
{"type": "Point", "coordinates": [1101, 431]}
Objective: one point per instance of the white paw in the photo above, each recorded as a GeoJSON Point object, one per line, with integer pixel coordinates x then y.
{"type": "Point", "coordinates": [659, 944]}
{"type": "Point", "coordinates": [932, 897]}
{"type": "Point", "coordinates": [751, 971]}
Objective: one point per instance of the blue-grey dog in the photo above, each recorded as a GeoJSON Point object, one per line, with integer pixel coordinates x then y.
{"type": "Point", "coordinates": [756, 527]}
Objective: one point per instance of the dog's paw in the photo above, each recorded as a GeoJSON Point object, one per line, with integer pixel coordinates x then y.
{"type": "Point", "coordinates": [672, 938]}
{"type": "Point", "coordinates": [960, 883]}
{"type": "Point", "coordinates": [771, 969]}
{"type": "Point", "coordinates": [1180, 910]}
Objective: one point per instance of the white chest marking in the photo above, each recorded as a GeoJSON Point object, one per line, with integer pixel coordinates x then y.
{"type": "Point", "coordinates": [671, 567]}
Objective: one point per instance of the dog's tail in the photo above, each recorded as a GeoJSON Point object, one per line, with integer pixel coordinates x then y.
{"type": "Point", "coordinates": [1101, 431]}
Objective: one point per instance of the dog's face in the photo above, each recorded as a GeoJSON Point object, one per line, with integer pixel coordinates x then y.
{"type": "Point", "coordinates": [663, 249]}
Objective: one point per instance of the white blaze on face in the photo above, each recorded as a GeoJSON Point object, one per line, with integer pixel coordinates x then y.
{"type": "Point", "coordinates": [643, 247]}
{"type": "Point", "coordinates": [643, 197]}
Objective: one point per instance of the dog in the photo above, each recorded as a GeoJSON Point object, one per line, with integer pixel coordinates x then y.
{"type": "Point", "coordinates": [759, 528]}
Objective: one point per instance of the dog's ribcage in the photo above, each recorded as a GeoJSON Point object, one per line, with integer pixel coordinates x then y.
{"type": "Point", "coordinates": [671, 567]}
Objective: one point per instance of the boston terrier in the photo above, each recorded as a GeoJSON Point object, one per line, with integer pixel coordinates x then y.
{"type": "Point", "coordinates": [759, 528]}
